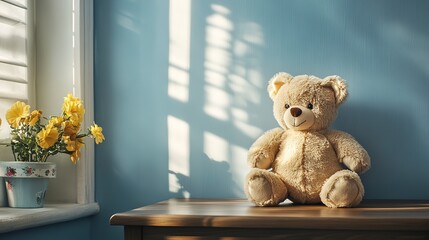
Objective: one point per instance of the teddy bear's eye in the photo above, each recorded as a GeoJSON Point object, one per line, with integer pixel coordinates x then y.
{"type": "Point", "coordinates": [287, 106]}
{"type": "Point", "coordinates": [310, 106]}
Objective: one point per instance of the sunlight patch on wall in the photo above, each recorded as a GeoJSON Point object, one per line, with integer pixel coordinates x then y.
{"type": "Point", "coordinates": [220, 9]}
{"type": "Point", "coordinates": [218, 37]}
{"type": "Point", "coordinates": [179, 49]}
{"type": "Point", "coordinates": [231, 81]}
{"type": "Point", "coordinates": [245, 92]}
{"type": "Point", "coordinates": [217, 59]}
{"type": "Point", "coordinates": [255, 79]}
{"type": "Point", "coordinates": [232, 88]}
{"type": "Point", "coordinates": [240, 120]}
{"type": "Point", "coordinates": [248, 129]}
{"type": "Point", "coordinates": [252, 33]}
{"type": "Point", "coordinates": [216, 79]}
{"type": "Point", "coordinates": [178, 84]}
{"type": "Point", "coordinates": [178, 152]}
{"type": "Point", "coordinates": [179, 31]}
{"type": "Point", "coordinates": [215, 147]}
{"type": "Point", "coordinates": [217, 103]}
{"type": "Point", "coordinates": [240, 48]}
{"type": "Point", "coordinates": [217, 62]}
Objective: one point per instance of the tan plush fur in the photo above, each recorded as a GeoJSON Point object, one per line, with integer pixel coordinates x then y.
{"type": "Point", "coordinates": [303, 159]}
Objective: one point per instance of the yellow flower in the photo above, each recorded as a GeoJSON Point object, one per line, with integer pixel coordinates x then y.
{"type": "Point", "coordinates": [16, 113]}
{"type": "Point", "coordinates": [69, 143]}
{"type": "Point", "coordinates": [56, 121]}
{"type": "Point", "coordinates": [69, 128]}
{"type": "Point", "coordinates": [71, 98]}
{"type": "Point", "coordinates": [75, 156]}
{"type": "Point", "coordinates": [73, 109]}
{"type": "Point", "coordinates": [34, 117]}
{"type": "Point", "coordinates": [73, 146]}
{"type": "Point", "coordinates": [96, 132]}
{"type": "Point", "coordinates": [47, 137]}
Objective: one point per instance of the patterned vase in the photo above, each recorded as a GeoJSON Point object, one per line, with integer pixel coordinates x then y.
{"type": "Point", "coordinates": [26, 182]}
{"type": "Point", "coordinates": [3, 195]}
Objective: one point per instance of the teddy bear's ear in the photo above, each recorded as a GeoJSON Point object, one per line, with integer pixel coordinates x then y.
{"type": "Point", "coordinates": [338, 85]}
{"type": "Point", "coordinates": [276, 82]}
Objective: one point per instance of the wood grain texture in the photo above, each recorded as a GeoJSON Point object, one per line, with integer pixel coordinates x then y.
{"type": "Point", "coordinates": [375, 215]}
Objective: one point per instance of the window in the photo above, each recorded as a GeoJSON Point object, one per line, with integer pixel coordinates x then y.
{"type": "Point", "coordinates": [64, 65]}
{"type": "Point", "coordinates": [15, 55]}
{"type": "Point", "coordinates": [40, 65]}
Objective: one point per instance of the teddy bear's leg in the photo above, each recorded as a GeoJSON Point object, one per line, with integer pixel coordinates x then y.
{"type": "Point", "coordinates": [342, 189]}
{"type": "Point", "coordinates": [264, 188]}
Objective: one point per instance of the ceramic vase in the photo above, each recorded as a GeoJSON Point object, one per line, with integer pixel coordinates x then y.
{"type": "Point", "coordinates": [3, 195]}
{"type": "Point", "coordinates": [26, 183]}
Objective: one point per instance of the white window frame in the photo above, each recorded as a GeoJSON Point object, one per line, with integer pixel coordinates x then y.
{"type": "Point", "coordinates": [85, 180]}
{"type": "Point", "coordinates": [86, 168]}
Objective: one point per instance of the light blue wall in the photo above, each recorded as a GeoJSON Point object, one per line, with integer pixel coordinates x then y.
{"type": "Point", "coordinates": [380, 47]}
{"type": "Point", "coordinates": [71, 230]}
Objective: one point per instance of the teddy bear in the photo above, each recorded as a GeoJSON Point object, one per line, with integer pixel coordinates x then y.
{"type": "Point", "coordinates": [304, 160]}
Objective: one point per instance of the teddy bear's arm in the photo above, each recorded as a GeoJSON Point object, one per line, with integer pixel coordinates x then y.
{"type": "Point", "coordinates": [264, 150]}
{"type": "Point", "coordinates": [349, 151]}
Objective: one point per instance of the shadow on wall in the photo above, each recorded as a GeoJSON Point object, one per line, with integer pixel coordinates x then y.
{"type": "Point", "coordinates": [213, 90]}
{"type": "Point", "coordinates": [216, 173]}
{"type": "Point", "coordinates": [217, 94]}
{"type": "Point", "coordinates": [396, 145]}
{"type": "Point", "coordinates": [199, 80]}
{"type": "Point", "coordinates": [188, 80]}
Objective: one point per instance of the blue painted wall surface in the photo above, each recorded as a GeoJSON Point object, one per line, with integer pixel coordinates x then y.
{"type": "Point", "coordinates": [71, 230]}
{"type": "Point", "coordinates": [380, 47]}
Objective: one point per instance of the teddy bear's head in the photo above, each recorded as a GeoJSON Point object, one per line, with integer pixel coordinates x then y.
{"type": "Point", "coordinates": [306, 103]}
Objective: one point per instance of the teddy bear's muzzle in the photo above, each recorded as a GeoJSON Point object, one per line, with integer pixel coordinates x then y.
{"type": "Point", "coordinates": [298, 118]}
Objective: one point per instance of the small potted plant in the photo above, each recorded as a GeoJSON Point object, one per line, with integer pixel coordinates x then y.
{"type": "Point", "coordinates": [33, 140]}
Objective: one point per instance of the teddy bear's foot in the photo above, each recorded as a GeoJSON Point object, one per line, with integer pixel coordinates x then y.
{"type": "Point", "coordinates": [343, 189]}
{"type": "Point", "coordinates": [264, 188]}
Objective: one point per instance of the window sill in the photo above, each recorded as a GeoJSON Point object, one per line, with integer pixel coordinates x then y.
{"type": "Point", "coordinates": [12, 219]}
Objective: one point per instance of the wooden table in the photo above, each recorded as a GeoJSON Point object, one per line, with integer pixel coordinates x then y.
{"type": "Point", "coordinates": [238, 219]}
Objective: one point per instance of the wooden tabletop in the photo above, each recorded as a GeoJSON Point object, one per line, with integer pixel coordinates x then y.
{"type": "Point", "coordinates": [370, 215]}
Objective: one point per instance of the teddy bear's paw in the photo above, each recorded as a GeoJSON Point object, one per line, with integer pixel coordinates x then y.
{"type": "Point", "coordinates": [343, 189]}
{"type": "Point", "coordinates": [265, 188]}
{"type": "Point", "coordinates": [357, 165]}
{"type": "Point", "coordinates": [259, 159]}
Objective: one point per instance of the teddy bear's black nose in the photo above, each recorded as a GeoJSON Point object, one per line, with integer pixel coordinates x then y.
{"type": "Point", "coordinates": [295, 112]}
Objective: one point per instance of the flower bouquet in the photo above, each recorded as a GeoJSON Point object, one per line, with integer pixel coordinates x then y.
{"type": "Point", "coordinates": [35, 138]}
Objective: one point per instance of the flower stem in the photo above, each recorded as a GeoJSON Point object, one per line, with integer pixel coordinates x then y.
{"type": "Point", "coordinates": [13, 151]}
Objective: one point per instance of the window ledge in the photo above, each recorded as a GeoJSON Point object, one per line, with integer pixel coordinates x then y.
{"type": "Point", "coordinates": [12, 219]}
